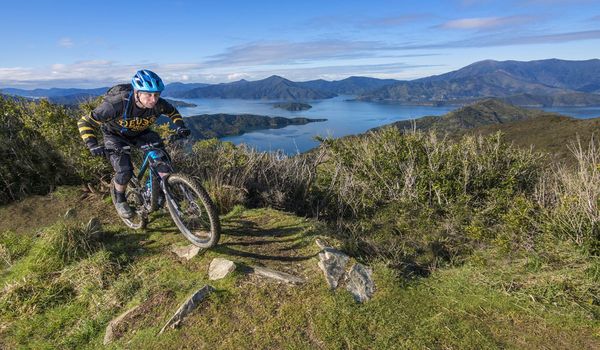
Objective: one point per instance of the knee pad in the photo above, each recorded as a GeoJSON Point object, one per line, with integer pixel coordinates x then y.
{"type": "Point", "coordinates": [123, 177]}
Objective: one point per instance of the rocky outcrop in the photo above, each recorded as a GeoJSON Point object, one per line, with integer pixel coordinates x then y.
{"type": "Point", "coordinates": [358, 280]}
{"type": "Point", "coordinates": [333, 263]}
{"type": "Point", "coordinates": [188, 306]}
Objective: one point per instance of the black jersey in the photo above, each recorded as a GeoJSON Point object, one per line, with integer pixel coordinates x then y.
{"type": "Point", "coordinates": [119, 115]}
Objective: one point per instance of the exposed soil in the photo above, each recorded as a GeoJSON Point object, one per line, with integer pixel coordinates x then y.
{"type": "Point", "coordinates": [267, 240]}
{"type": "Point", "coordinates": [35, 212]}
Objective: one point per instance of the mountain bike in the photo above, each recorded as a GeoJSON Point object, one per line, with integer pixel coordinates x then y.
{"type": "Point", "coordinates": [188, 203]}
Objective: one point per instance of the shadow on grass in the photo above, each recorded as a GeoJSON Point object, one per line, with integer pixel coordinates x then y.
{"type": "Point", "coordinates": [258, 256]}
{"type": "Point", "coordinates": [260, 242]}
{"type": "Point", "coordinates": [130, 245]}
{"type": "Point", "coordinates": [248, 228]}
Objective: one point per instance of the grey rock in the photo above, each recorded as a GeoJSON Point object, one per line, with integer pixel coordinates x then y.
{"type": "Point", "coordinates": [277, 275]}
{"type": "Point", "coordinates": [219, 268]}
{"type": "Point", "coordinates": [333, 263]}
{"type": "Point", "coordinates": [186, 252]}
{"type": "Point", "coordinates": [188, 306]}
{"type": "Point", "coordinates": [359, 282]}
{"type": "Point", "coordinates": [109, 334]}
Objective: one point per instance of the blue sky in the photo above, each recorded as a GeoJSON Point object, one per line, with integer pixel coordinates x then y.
{"type": "Point", "coordinates": [98, 43]}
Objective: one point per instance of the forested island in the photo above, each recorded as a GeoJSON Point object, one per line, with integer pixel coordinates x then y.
{"type": "Point", "coordinates": [206, 126]}
{"type": "Point", "coordinates": [293, 106]}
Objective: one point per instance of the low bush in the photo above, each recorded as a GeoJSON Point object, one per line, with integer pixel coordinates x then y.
{"type": "Point", "coordinates": [421, 201]}
{"type": "Point", "coordinates": [241, 175]}
{"type": "Point", "coordinates": [41, 149]}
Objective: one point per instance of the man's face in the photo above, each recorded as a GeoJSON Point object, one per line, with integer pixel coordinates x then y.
{"type": "Point", "coordinates": [148, 99]}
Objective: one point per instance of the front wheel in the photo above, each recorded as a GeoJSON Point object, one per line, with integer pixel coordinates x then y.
{"type": "Point", "coordinates": [192, 210]}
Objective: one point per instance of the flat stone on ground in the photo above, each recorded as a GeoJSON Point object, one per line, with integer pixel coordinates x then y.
{"type": "Point", "coordinates": [186, 252]}
{"type": "Point", "coordinates": [109, 334]}
{"type": "Point", "coordinates": [219, 268]}
{"type": "Point", "coordinates": [277, 275]}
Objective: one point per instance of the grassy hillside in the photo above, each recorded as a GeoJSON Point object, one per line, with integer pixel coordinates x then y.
{"type": "Point", "coordinates": [548, 133]}
{"type": "Point", "coordinates": [484, 112]}
{"type": "Point", "coordinates": [63, 296]}
{"type": "Point", "coordinates": [475, 242]}
{"type": "Point", "coordinates": [551, 134]}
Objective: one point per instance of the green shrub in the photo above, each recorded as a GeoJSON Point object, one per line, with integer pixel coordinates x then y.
{"type": "Point", "coordinates": [572, 199]}
{"type": "Point", "coordinates": [41, 149]}
{"type": "Point", "coordinates": [240, 175]}
{"type": "Point", "coordinates": [420, 201]}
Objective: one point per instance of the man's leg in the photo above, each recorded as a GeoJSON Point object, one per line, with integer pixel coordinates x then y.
{"type": "Point", "coordinates": [121, 163]}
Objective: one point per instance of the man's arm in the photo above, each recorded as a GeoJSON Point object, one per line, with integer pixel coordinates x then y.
{"type": "Point", "coordinates": [171, 112]}
{"type": "Point", "coordinates": [88, 124]}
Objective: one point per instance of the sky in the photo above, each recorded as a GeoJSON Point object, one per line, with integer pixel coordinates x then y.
{"type": "Point", "coordinates": [88, 44]}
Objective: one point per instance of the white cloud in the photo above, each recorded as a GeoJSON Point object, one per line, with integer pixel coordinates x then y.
{"type": "Point", "coordinates": [484, 22]}
{"type": "Point", "coordinates": [285, 52]}
{"type": "Point", "coordinates": [66, 43]}
{"type": "Point", "coordinates": [394, 21]}
{"type": "Point", "coordinates": [237, 76]}
{"type": "Point", "coordinates": [96, 73]}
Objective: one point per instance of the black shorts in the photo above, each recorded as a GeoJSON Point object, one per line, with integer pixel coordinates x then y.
{"type": "Point", "coordinates": [121, 162]}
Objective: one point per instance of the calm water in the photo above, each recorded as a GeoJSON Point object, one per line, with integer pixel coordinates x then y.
{"type": "Point", "coordinates": [343, 118]}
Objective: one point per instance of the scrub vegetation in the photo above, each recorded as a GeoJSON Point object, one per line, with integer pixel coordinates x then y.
{"type": "Point", "coordinates": [475, 243]}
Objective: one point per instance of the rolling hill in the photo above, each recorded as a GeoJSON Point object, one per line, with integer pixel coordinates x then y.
{"type": "Point", "coordinates": [272, 88]}
{"type": "Point", "coordinates": [546, 82]}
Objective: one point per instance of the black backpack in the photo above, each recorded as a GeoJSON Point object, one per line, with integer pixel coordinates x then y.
{"type": "Point", "coordinates": [120, 89]}
{"type": "Point", "coordinates": [125, 91]}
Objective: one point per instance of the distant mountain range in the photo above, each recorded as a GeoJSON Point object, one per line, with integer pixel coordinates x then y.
{"type": "Point", "coordinates": [543, 83]}
{"type": "Point", "coordinates": [349, 86]}
{"type": "Point", "coordinates": [177, 88]}
{"type": "Point", "coordinates": [271, 88]}
{"type": "Point", "coordinates": [53, 92]}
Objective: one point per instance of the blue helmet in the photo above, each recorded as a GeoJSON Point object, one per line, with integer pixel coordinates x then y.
{"type": "Point", "coordinates": [146, 80]}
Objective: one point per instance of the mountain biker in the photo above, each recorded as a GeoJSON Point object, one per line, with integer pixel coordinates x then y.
{"type": "Point", "coordinates": [124, 118]}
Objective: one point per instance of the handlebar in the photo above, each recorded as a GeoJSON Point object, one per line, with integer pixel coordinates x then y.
{"type": "Point", "coordinates": [148, 146]}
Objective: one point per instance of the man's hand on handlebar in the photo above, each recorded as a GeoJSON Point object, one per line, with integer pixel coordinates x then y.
{"type": "Point", "coordinates": [97, 151]}
{"type": "Point", "coordinates": [183, 131]}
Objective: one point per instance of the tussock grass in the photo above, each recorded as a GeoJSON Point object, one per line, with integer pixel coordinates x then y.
{"type": "Point", "coordinates": [240, 175]}
{"type": "Point", "coordinates": [572, 197]}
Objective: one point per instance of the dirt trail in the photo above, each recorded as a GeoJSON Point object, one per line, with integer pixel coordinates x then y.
{"type": "Point", "coordinates": [36, 212]}
{"type": "Point", "coordinates": [271, 239]}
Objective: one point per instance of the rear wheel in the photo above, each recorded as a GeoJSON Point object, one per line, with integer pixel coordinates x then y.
{"type": "Point", "coordinates": [192, 210]}
{"type": "Point", "coordinates": [139, 219]}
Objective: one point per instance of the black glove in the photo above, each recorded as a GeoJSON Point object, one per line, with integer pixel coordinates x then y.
{"type": "Point", "coordinates": [97, 151]}
{"type": "Point", "coordinates": [183, 131]}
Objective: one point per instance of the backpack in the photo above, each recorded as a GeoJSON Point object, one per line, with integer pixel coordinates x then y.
{"type": "Point", "coordinates": [120, 89]}
{"type": "Point", "coordinates": [125, 91]}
